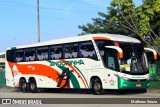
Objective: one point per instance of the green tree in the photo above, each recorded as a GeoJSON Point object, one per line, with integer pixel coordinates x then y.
{"type": "Point", "coordinates": [123, 17]}
{"type": "Point", "coordinates": [143, 20]}
{"type": "Point", "coordinates": [103, 25]}
{"type": "Point", "coordinates": [2, 56]}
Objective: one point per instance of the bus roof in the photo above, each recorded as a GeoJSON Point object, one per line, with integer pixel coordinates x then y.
{"type": "Point", "coordinates": [101, 36]}
{"type": "Point", "coordinates": [116, 37]}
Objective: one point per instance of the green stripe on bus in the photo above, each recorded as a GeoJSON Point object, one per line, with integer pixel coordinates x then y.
{"type": "Point", "coordinates": [73, 79]}
{"type": "Point", "coordinates": [82, 75]}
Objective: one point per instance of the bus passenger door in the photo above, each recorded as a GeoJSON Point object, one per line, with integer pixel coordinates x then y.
{"type": "Point", "coordinates": [111, 61]}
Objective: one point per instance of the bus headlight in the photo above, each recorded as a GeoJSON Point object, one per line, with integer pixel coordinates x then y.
{"type": "Point", "coordinates": [125, 78]}
{"type": "Point", "coordinates": [125, 85]}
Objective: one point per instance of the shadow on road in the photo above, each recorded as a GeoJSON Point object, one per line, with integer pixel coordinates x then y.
{"type": "Point", "coordinates": [84, 91]}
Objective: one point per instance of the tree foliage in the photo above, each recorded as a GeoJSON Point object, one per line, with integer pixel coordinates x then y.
{"type": "Point", "coordinates": [123, 17]}
{"type": "Point", "coordinates": [103, 25]}
{"type": "Point", "coordinates": [143, 20]}
{"type": "Point", "coordinates": [2, 56]}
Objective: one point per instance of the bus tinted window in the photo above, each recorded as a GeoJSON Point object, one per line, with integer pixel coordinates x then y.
{"type": "Point", "coordinates": [19, 55]}
{"type": "Point", "coordinates": [111, 59]}
{"type": "Point", "coordinates": [87, 50]}
{"type": "Point", "coordinates": [30, 54]}
{"type": "Point", "coordinates": [131, 47]}
{"type": "Point", "coordinates": [56, 52]}
{"type": "Point", "coordinates": [11, 55]}
{"type": "Point", "coordinates": [71, 51]}
{"type": "Point", "coordinates": [42, 53]}
{"type": "Point", "coordinates": [101, 45]}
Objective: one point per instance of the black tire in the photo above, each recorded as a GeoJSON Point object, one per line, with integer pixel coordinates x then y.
{"type": "Point", "coordinates": [33, 86]}
{"type": "Point", "coordinates": [23, 85]}
{"type": "Point", "coordinates": [97, 87]}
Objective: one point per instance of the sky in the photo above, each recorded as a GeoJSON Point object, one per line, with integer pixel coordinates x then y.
{"type": "Point", "coordinates": [58, 19]}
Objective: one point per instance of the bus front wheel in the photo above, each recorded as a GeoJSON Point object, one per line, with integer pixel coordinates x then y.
{"type": "Point", "coordinates": [33, 86]}
{"type": "Point", "coordinates": [97, 87]}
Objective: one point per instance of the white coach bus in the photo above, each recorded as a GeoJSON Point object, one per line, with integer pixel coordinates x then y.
{"type": "Point", "coordinates": [95, 61]}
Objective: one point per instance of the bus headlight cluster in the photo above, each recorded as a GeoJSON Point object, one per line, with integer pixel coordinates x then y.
{"type": "Point", "coordinates": [125, 78]}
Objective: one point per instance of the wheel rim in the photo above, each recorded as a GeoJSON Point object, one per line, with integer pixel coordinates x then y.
{"type": "Point", "coordinates": [24, 87]}
{"type": "Point", "coordinates": [33, 86]}
{"type": "Point", "coordinates": [97, 87]}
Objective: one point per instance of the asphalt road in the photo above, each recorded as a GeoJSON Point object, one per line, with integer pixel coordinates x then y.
{"type": "Point", "coordinates": [15, 93]}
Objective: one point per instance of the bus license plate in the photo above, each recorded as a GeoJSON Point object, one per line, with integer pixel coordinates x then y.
{"type": "Point", "coordinates": [138, 85]}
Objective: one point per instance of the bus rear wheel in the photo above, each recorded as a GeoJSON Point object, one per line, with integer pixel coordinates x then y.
{"type": "Point", "coordinates": [33, 86]}
{"type": "Point", "coordinates": [97, 87]}
{"type": "Point", "coordinates": [23, 85]}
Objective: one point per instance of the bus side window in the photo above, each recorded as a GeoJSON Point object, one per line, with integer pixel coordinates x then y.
{"type": "Point", "coordinates": [42, 53]}
{"type": "Point", "coordinates": [56, 52]}
{"type": "Point", "coordinates": [71, 51]}
{"type": "Point", "coordinates": [11, 55]}
{"type": "Point", "coordinates": [101, 45]}
{"type": "Point", "coordinates": [75, 50]}
{"type": "Point", "coordinates": [30, 54]}
{"type": "Point", "coordinates": [87, 50]}
{"type": "Point", "coordinates": [111, 59]}
{"type": "Point", "coordinates": [19, 55]}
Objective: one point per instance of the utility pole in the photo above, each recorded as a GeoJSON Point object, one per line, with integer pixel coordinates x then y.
{"type": "Point", "coordinates": [38, 25]}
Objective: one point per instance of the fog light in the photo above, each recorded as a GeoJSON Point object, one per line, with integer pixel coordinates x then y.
{"type": "Point", "coordinates": [124, 84]}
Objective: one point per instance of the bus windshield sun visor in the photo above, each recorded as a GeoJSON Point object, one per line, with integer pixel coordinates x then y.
{"type": "Point", "coordinates": [155, 56]}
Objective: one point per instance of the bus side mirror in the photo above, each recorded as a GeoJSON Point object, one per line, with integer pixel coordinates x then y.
{"type": "Point", "coordinates": [118, 49]}
{"type": "Point", "coordinates": [120, 54]}
{"type": "Point", "coordinates": [151, 54]}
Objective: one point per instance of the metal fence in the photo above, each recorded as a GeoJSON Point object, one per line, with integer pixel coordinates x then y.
{"type": "Point", "coordinates": [2, 78]}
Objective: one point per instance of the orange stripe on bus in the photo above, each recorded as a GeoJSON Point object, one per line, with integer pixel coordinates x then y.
{"type": "Point", "coordinates": [101, 38]}
{"type": "Point", "coordinates": [38, 69]}
{"type": "Point", "coordinates": [74, 71]}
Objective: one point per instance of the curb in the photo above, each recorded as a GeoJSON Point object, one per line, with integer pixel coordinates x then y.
{"type": "Point", "coordinates": [153, 90]}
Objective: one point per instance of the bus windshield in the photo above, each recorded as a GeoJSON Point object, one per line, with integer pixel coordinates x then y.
{"type": "Point", "coordinates": [133, 61]}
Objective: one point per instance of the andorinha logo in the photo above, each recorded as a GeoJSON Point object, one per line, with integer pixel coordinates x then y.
{"type": "Point", "coordinates": [63, 63]}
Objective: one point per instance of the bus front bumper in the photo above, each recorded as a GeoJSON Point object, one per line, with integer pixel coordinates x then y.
{"type": "Point", "coordinates": [128, 84]}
